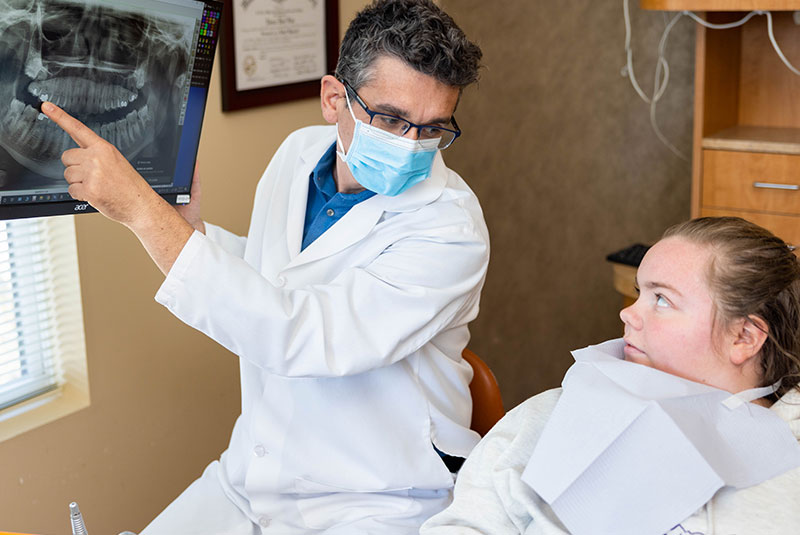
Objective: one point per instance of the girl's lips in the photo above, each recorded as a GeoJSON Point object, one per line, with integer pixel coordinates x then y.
{"type": "Point", "coordinates": [631, 350]}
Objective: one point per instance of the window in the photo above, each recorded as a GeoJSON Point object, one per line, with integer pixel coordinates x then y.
{"type": "Point", "coordinates": [42, 348]}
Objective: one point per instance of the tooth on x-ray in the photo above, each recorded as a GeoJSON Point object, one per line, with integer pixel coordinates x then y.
{"type": "Point", "coordinates": [120, 72]}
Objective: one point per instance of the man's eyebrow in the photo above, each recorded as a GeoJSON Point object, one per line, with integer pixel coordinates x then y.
{"type": "Point", "coordinates": [393, 110]}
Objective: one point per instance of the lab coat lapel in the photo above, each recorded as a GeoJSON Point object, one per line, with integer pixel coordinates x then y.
{"type": "Point", "coordinates": [298, 195]}
{"type": "Point", "coordinates": [353, 227]}
{"type": "Point", "coordinates": [362, 218]}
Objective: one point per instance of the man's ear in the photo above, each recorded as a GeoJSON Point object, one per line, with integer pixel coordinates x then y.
{"type": "Point", "coordinates": [331, 92]}
{"type": "Point", "coordinates": [749, 333]}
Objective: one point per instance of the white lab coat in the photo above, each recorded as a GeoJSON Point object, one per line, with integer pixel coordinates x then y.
{"type": "Point", "coordinates": [350, 350]}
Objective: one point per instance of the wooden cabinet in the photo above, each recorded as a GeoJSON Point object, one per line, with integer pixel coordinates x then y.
{"type": "Point", "coordinates": [746, 149]}
{"type": "Point", "coordinates": [751, 181]}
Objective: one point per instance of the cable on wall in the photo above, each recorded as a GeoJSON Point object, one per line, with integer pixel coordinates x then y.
{"type": "Point", "coordinates": [661, 76]}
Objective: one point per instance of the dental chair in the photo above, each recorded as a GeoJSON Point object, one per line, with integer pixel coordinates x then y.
{"type": "Point", "coordinates": [487, 404]}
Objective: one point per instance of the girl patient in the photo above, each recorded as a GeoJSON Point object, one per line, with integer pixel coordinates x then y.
{"type": "Point", "coordinates": [688, 425]}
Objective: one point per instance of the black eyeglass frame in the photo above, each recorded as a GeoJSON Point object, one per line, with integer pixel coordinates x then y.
{"type": "Point", "coordinates": [456, 133]}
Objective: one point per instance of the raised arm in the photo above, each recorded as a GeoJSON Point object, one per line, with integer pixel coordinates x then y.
{"type": "Point", "coordinates": [367, 317]}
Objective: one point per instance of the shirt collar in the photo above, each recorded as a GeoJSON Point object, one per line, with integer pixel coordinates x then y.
{"type": "Point", "coordinates": [322, 174]}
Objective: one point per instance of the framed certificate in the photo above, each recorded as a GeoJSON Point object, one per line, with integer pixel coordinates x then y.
{"type": "Point", "coordinates": [276, 50]}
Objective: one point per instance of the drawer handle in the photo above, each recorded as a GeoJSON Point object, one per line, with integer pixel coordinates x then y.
{"type": "Point", "coordinates": [772, 185]}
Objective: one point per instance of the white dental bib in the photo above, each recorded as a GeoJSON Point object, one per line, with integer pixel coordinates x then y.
{"type": "Point", "coordinates": [632, 450]}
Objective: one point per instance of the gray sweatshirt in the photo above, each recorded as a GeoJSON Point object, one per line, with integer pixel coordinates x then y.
{"type": "Point", "coordinates": [490, 497]}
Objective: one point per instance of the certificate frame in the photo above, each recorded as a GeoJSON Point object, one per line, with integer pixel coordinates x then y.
{"type": "Point", "coordinates": [233, 99]}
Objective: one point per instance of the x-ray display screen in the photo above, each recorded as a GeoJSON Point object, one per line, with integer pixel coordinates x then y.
{"type": "Point", "coordinates": [134, 71]}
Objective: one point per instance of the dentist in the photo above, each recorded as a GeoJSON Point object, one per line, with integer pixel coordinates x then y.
{"type": "Point", "coordinates": [347, 302]}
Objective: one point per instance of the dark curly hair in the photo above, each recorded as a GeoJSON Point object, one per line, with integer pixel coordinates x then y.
{"type": "Point", "coordinates": [415, 31]}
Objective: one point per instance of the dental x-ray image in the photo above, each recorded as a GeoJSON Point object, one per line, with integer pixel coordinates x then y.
{"type": "Point", "coordinates": [121, 71]}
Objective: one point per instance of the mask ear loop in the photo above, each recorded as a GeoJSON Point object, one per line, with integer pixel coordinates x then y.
{"type": "Point", "coordinates": [340, 153]}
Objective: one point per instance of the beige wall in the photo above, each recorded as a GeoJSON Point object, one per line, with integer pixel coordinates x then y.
{"type": "Point", "coordinates": [556, 147]}
{"type": "Point", "coordinates": [164, 397]}
{"type": "Point", "coordinates": [560, 152]}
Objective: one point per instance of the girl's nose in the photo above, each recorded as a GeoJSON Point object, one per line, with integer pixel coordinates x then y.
{"type": "Point", "coordinates": [630, 317]}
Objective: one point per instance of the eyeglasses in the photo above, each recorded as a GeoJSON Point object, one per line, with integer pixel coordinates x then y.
{"type": "Point", "coordinates": [400, 127]}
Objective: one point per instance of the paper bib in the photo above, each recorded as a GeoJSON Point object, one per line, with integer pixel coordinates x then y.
{"type": "Point", "coordinates": [632, 450]}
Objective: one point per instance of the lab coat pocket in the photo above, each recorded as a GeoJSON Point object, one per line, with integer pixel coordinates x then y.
{"type": "Point", "coordinates": [349, 509]}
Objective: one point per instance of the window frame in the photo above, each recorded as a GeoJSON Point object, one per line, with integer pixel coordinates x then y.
{"type": "Point", "coordinates": [71, 391]}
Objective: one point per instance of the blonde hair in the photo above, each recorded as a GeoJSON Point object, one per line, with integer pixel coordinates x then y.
{"type": "Point", "coordinates": [753, 273]}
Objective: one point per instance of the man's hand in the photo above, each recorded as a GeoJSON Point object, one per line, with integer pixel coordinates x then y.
{"type": "Point", "coordinates": [99, 174]}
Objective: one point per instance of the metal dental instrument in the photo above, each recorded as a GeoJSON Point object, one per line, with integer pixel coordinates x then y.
{"type": "Point", "coordinates": [76, 519]}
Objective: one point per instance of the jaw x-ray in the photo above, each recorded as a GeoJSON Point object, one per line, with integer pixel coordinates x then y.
{"type": "Point", "coordinates": [122, 72]}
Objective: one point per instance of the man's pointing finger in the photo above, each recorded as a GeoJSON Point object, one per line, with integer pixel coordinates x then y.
{"type": "Point", "coordinates": [78, 131]}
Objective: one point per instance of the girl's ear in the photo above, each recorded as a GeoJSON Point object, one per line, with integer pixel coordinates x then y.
{"type": "Point", "coordinates": [750, 333]}
{"type": "Point", "coordinates": [331, 92]}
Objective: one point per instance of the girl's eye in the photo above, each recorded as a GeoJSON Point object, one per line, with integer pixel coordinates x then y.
{"type": "Point", "coordinates": [661, 301]}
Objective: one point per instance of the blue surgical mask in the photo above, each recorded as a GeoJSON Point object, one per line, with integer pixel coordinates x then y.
{"type": "Point", "coordinates": [386, 163]}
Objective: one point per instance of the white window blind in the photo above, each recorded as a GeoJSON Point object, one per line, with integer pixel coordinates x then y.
{"type": "Point", "coordinates": [41, 319]}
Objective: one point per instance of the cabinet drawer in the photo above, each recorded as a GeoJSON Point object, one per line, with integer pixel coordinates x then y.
{"type": "Point", "coordinates": [785, 227]}
{"type": "Point", "coordinates": [751, 181]}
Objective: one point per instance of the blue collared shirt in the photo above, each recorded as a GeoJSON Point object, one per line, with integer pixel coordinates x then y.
{"type": "Point", "coordinates": [325, 205]}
